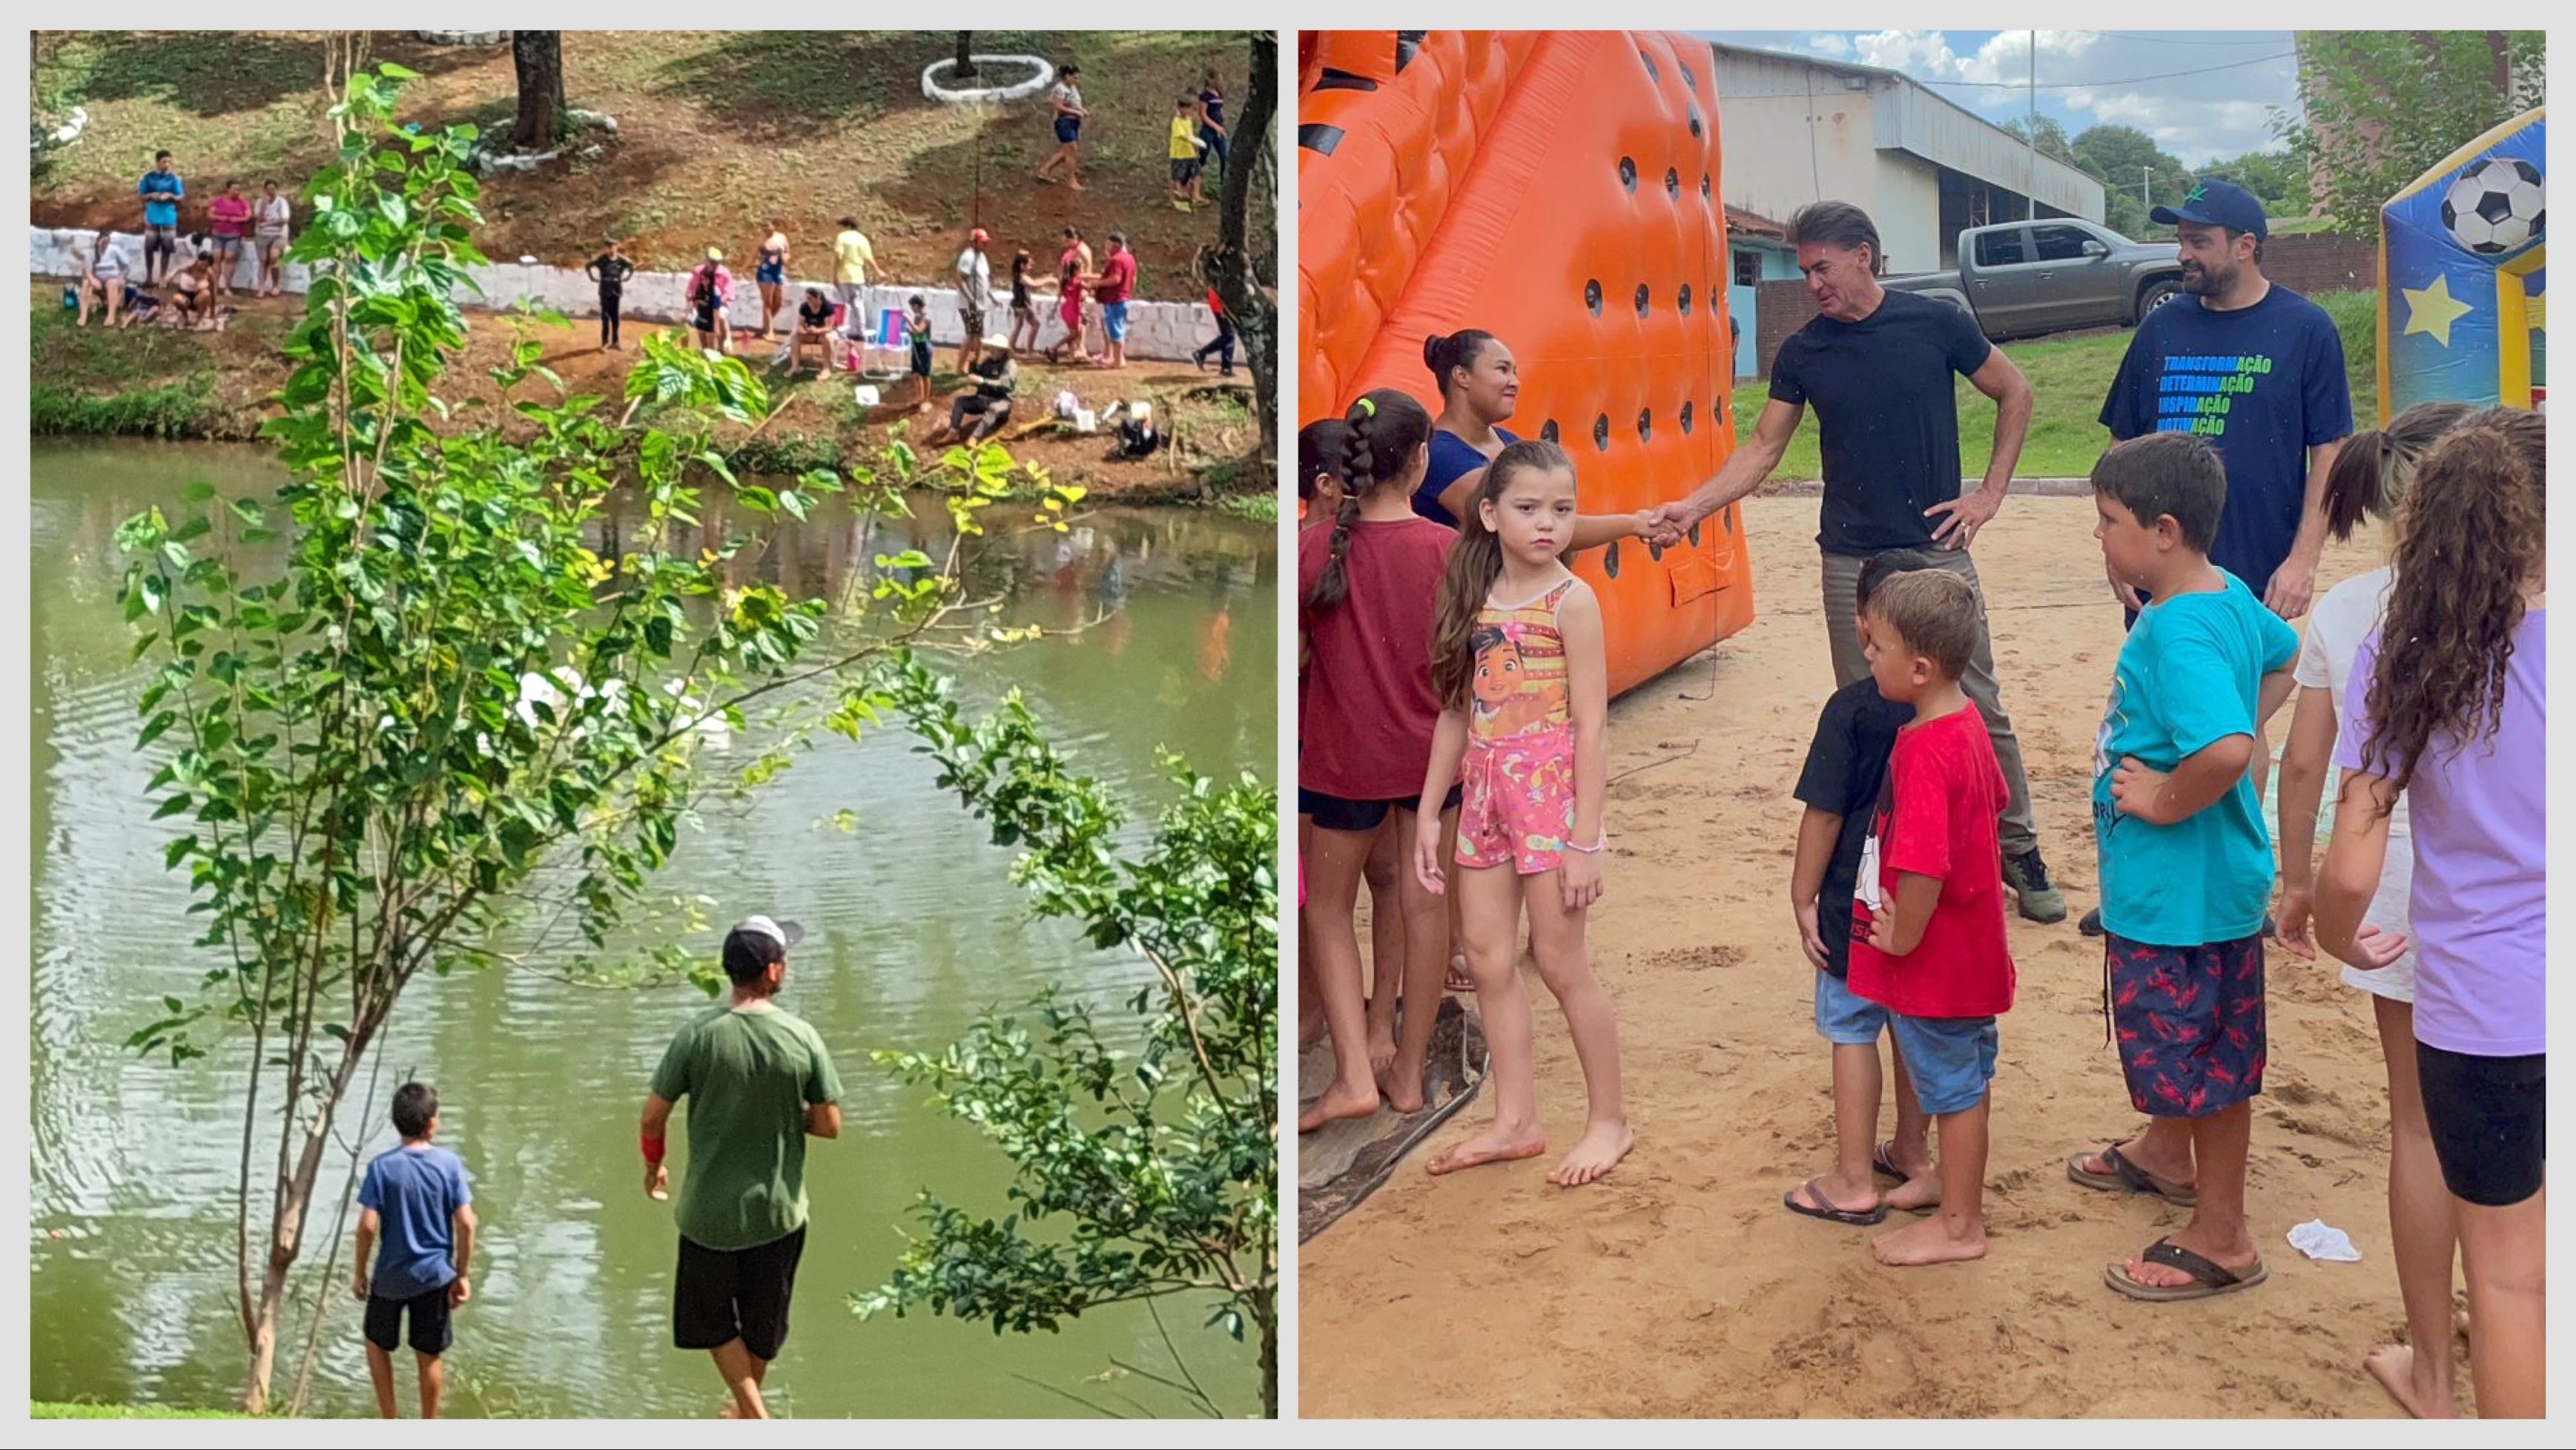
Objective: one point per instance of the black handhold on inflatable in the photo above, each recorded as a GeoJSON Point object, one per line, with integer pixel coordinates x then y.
{"type": "Point", "coordinates": [1686, 415]}
{"type": "Point", "coordinates": [1686, 294]}
{"type": "Point", "coordinates": [1628, 172]}
{"type": "Point", "coordinates": [1406, 43]}
{"type": "Point", "coordinates": [1641, 299]}
{"type": "Point", "coordinates": [1319, 138]}
{"type": "Point", "coordinates": [1601, 432]}
{"type": "Point", "coordinates": [1592, 296]}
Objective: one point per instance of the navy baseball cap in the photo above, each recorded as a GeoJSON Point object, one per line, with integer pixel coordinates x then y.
{"type": "Point", "coordinates": [2215, 204]}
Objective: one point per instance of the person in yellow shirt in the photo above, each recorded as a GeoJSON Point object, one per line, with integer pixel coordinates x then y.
{"type": "Point", "coordinates": [1185, 151]}
{"type": "Point", "coordinates": [851, 259]}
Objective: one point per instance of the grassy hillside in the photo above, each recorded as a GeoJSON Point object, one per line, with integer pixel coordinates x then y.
{"type": "Point", "coordinates": [716, 131]}
{"type": "Point", "coordinates": [2069, 375]}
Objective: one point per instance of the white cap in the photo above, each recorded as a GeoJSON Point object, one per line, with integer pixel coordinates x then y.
{"type": "Point", "coordinates": [785, 933]}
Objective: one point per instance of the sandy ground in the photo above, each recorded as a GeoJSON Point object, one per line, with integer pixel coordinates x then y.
{"type": "Point", "coordinates": [1678, 1286]}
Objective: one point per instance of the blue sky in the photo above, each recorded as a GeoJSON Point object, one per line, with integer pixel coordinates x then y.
{"type": "Point", "coordinates": [2220, 108]}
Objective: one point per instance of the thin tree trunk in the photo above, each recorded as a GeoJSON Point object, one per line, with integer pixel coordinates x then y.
{"type": "Point", "coordinates": [537, 56]}
{"type": "Point", "coordinates": [1247, 279]}
{"type": "Point", "coordinates": [1266, 1312]}
{"type": "Point", "coordinates": [286, 1213]}
{"type": "Point", "coordinates": [964, 69]}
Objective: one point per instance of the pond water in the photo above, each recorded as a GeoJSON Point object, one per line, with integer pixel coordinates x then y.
{"type": "Point", "coordinates": [914, 928]}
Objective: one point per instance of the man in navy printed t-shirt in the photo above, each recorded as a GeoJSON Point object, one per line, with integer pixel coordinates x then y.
{"type": "Point", "coordinates": [2256, 369]}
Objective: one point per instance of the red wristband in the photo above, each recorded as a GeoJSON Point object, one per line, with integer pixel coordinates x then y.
{"type": "Point", "coordinates": [652, 1150]}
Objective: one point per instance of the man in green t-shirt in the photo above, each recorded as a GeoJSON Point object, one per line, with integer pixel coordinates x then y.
{"type": "Point", "coordinates": [758, 1080]}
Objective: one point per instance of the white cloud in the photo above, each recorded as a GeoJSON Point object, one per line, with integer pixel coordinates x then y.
{"type": "Point", "coordinates": [1829, 43]}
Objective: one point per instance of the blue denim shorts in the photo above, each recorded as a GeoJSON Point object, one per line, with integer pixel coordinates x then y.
{"type": "Point", "coordinates": [1844, 1017]}
{"type": "Point", "coordinates": [1950, 1059]}
{"type": "Point", "coordinates": [1113, 320]}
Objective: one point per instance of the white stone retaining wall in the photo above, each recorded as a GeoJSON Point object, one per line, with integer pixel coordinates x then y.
{"type": "Point", "coordinates": [1165, 331]}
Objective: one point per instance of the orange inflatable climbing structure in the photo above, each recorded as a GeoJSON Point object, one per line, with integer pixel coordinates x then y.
{"type": "Point", "coordinates": [1558, 189]}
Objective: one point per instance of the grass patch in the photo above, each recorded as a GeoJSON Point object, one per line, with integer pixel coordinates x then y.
{"type": "Point", "coordinates": [176, 410]}
{"type": "Point", "coordinates": [2069, 376]}
{"type": "Point", "coordinates": [1262, 507]}
{"type": "Point", "coordinates": [63, 1410]}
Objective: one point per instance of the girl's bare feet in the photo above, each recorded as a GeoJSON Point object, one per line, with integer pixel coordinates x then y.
{"type": "Point", "coordinates": [1930, 1241]}
{"type": "Point", "coordinates": [2394, 1366]}
{"type": "Point", "coordinates": [1918, 1194]}
{"type": "Point", "coordinates": [1402, 1090]}
{"type": "Point", "coordinates": [1341, 1100]}
{"type": "Point", "coordinates": [1496, 1144]}
{"type": "Point", "coordinates": [1601, 1148]}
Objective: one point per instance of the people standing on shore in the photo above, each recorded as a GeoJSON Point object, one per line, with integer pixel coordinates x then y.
{"type": "Point", "coordinates": [974, 297]}
{"type": "Point", "coordinates": [851, 259]}
{"type": "Point", "coordinates": [769, 273]}
{"type": "Point", "coordinates": [710, 292]}
{"type": "Point", "coordinates": [416, 1215]}
{"type": "Point", "coordinates": [1116, 281]}
{"type": "Point", "coordinates": [228, 224]}
{"type": "Point", "coordinates": [1881, 369]}
{"type": "Point", "coordinates": [1065, 105]}
{"type": "Point", "coordinates": [270, 217]}
{"type": "Point", "coordinates": [759, 1082]}
{"type": "Point", "coordinates": [610, 269]}
{"type": "Point", "coordinates": [1024, 311]}
{"type": "Point", "coordinates": [162, 191]}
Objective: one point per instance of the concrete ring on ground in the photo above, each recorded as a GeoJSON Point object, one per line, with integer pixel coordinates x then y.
{"type": "Point", "coordinates": [932, 89]}
{"type": "Point", "coordinates": [463, 37]}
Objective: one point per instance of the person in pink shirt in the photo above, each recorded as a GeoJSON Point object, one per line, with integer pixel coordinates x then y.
{"type": "Point", "coordinates": [228, 223]}
{"type": "Point", "coordinates": [1116, 283]}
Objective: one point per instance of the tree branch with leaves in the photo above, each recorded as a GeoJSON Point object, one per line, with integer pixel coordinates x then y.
{"type": "Point", "coordinates": [1152, 1172]}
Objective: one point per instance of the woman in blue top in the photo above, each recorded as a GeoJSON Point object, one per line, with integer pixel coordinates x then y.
{"type": "Point", "coordinates": [1212, 120]}
{"type": "Point", "coordinates": [1479, 386]}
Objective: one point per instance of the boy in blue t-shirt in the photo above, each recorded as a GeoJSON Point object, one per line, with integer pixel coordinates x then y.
{"type": "Point", "coordinates": [1846, 767]}
{"type": "Point", "coordinates": [416, 1197]}
{"type": "Point", "coordinates": [2186, 864]}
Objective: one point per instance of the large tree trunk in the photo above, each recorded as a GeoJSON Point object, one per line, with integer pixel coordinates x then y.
{"type": "Point", "coordinates": [1244, 265]}
{"type": "Point", "coordinates": [537, 55]}
{"type": "Point", "coordinates": [964, 70]}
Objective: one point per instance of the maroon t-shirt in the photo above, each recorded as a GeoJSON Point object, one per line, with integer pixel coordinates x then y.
{"type": "Point", "coordinates": [1117, 278]}
{"type": "Point", "coordinates": [1937, 817]}
{"type": "Point", "coordinates": [1365, 708]}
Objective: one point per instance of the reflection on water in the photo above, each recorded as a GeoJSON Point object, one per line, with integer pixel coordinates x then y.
{"type": "Point", "coordinates": [914, 928]}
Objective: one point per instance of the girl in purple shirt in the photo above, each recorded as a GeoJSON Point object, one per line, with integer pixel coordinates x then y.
{"type": "Point", "coordinates": [2447, 706]}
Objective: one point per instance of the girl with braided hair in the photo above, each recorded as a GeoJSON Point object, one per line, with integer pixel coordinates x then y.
{"type": "Point", "coordinates": [1368, 581]}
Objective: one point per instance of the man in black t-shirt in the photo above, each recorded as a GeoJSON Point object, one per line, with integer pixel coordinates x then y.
{"type": "Point", "coordinates": [1878, 366]}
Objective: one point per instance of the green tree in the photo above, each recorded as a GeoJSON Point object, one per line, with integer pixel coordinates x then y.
{"type": "Point", "coordinates": [450, 731]}
{"type": "Point", "coordinates": [1243, 266]}
{"type": "Point", "coordinates": [2275, 176]}
{"type": "Point", "coordinates": [1138, 1174]}
{"type": "Point", "coordinates": [2380, 107]}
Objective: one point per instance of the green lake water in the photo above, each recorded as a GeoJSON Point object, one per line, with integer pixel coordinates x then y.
{"type": "Point", "coordinates": [914, 928]}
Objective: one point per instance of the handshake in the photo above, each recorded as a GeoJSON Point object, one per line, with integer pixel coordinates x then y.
{"type": "Point", "coordinates": [1666, 524]}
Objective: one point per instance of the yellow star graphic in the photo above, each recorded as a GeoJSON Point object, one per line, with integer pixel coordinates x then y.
{"type": "Point", "coordinates": [2433, 309]}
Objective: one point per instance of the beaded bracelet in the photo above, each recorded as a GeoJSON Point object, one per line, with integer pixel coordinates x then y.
{"type": "Point", "coordinates": [1592, 850]}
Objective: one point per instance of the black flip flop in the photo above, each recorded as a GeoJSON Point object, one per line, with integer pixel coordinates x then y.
{"type": "Point", "coordinates": [2128, 1177]}
{"type": "Point", "coordinates": [2209, 1278]}
{"type": "Point", "coordinates": [1823, 1207]}
{"type": "Point", "coordinates": [1883, 1163]}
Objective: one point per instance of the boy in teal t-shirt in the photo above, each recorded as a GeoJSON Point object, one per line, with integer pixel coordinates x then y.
{"type": "Point", "coordinates": [2186, 864]}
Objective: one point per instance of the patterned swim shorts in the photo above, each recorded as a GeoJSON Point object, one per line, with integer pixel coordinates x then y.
{"type": "Point", "coordinates": [2189, 1022]}
{"type": "Point", "coordinates": [1519, 804]}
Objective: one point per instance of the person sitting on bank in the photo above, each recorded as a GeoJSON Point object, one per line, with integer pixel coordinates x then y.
{"type": "Point", "coordinates": [987, 402]}
{"type": "Point", "coordinates": [818, 320]}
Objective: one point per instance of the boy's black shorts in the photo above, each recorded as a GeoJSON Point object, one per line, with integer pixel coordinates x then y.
{"type": "Point", "coordinates": [1184, 172]}
{"type": "Point", "coordinates": [723, 1295]}
{"type": "Point", "coordinates": [921, 359]}
{"type": "Point", "coordinates": [432, 1323]}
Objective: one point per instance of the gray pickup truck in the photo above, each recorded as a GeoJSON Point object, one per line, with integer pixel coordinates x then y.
{"type": "Point", "coordinates": [2020, 279]}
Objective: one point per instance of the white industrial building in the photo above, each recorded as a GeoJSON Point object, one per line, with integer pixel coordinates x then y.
{"type": "Point", "coordinates": [1799, 128]}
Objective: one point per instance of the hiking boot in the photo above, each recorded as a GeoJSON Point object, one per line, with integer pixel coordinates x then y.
{"type": "Point", "coordinates": [2026, 876]}
{"type": "Point", "coordinates": [2091, 925]}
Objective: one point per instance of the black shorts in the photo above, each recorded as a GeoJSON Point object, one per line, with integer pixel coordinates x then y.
{"type": "Point", "coordinates": [1184, 172]}
{"type": "Point", "coordinates": [921, 359]}
{"type": "Point", "coordinates": [2489, 1119]}
{"type": "Point", "coordinates": [704, 319]}
{"type": "Point", "coordinates": [432, 1325]}
{"type": "Point", "coordinates": [1333, 813]}
{"type": "Point", "coordinates": [723, 1295]}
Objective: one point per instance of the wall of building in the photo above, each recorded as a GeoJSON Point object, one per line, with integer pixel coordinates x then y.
{"type": "Point", "coordinates": [1908, 212]}
{"type": "Point", "coordinates": [1776, 161]}
{"type": "Point", "coordinates": [1162, 331]}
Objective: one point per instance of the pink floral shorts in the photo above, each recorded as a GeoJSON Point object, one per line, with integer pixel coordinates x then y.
{"type": "Point", "coordinates": [1519, 802]}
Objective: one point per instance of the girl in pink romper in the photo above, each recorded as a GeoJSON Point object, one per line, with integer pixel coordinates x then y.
{"type": "Point", "coordinates": [1519, 664]}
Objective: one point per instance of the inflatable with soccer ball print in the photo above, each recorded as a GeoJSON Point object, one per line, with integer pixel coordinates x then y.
{"type": "Point", "coordinates": [2463, 276]}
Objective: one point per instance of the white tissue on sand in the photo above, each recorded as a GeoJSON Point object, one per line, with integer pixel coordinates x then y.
{"type": "Point", "coordinates": [2321, 1241]}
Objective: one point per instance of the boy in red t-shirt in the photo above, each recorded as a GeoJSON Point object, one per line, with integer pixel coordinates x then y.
{"type": "Point", "coordinates": [1927, 909]}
